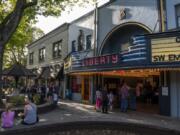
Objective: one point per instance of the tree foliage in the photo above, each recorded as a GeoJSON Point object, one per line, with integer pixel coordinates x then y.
{"type": "Point", "coordinates": [43, 7]}
{"type": "Point", "coordinates": [12, 12]}
{"type": "Point", "coordinates": [16, 51]}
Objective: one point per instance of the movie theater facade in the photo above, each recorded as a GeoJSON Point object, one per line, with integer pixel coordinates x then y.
{"type": "Point", "coordinates": [130, 48]}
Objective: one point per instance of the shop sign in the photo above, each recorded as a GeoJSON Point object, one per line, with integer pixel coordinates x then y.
{"type": "Point", "coordinates": [165, 91]}
{"type": "Point", "coordinates": [67, 63]}
{"type": "Point", "coordinates": [101, 60]}
{"type": "Point", "coordinates": [165, 49]}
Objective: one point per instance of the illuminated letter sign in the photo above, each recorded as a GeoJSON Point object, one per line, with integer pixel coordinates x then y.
{"type": "Point", "coordinates": [101, 60]}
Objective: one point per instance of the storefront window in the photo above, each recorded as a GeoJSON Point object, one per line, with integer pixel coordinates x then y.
{"type": "Point", "coordinates": [73, 45]}
{"type": "Point", "coordinates": [76, 84]}
{"type": "Point", "coordinates": [88, 42]}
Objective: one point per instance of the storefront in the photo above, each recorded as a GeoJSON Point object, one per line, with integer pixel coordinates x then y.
{"type": "Point", "coordinates": [126, 49]}
{"type": "Point", "coordinates": [79, 85]}
{"type": "Point", "coordinates": [151, 58]}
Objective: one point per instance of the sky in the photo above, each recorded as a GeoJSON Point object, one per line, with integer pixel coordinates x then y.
{"type": "Point", "coordinates": [47, 24]}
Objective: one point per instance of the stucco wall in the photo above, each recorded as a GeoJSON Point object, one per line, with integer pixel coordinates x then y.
{"type": "Point", "coordinates": [86, 23]}
{"type": "Point", "coordinates": [141, 11]}
{"type": "Point", "coordinates": [170, 10]}
{"type": "Point", "coordinates": [47, 41]}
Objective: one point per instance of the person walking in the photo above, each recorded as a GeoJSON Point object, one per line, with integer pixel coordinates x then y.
{"type": "Point", "coordinates": [124, 97]}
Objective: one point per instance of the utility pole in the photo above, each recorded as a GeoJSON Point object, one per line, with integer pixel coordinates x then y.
{"type": "Point", "coordinates": [162, 15]}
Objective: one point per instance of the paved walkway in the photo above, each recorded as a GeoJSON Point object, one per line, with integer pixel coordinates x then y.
{"type": "Point", "coordinates": [70, 112]}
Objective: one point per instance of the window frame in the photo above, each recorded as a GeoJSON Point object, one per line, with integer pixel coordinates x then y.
{"type": "Point", "coordinates": [58, 45]}
{"type": "Point", "coordinates": [74, 41]}
{"type": "Point", "coordinates": [31, 58]}
{"type": "Point", "coordinates": [42, 58]}
{"type": "Point", "coordinates": [87, 42]}
{"type": "Point", "coordinates": [177, 17]}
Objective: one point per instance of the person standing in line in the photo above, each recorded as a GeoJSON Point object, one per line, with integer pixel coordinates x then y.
{"type": "Point", "coordinates": [111, 99]}
{"type": "Point", "coordinates": [132, 99]}
{"type": "Point", "coordinates": [124, 97]}
{"type": "Point", "coordinates": [139, 87]}
{"type": "Point", "coordinates": [104, 101]}
{"type": "Point", "coordinates": [7, 117]}
{"type": "Point", "coordinates": [98, 100]}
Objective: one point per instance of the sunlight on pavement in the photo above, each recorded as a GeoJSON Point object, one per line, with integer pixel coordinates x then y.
{"type": "Point", "coordinates": [42, 120]}
{"type": "Point", "coordinates": [81, 107]}
{"type": "Point", "coordinates": [135, 120]}
{"type": "Point", "coordinates": [68, 114]}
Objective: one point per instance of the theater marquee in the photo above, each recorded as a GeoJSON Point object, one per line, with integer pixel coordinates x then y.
{"type": "Point", "coordinates": [165, 49]}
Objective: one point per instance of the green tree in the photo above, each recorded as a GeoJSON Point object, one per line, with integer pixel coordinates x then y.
{"type": "Point", "coordinates": [12, 11]}
{"type": "Point", "coordinates": [16, 51]}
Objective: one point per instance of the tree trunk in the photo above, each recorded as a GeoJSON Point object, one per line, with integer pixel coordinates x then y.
{"type": "Point", "coordinates": [1, 65]}
{"type": "Point", "coordinates": [8, 27]}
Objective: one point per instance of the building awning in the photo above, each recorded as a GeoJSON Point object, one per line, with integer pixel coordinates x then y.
{"type": "Point", "coordinates": [18, 70]}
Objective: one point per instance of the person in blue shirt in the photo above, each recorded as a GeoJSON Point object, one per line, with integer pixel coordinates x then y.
{"type": "Point", "coordinates": [30, 113]}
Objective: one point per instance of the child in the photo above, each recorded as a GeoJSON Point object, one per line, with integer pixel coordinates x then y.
{"type": "Point", "coordinates": [7, 117]}
{"type": "Point", "coordinates": [98, 100]}
{"type": "Point", "coordinates": [55, 98]}
{"type": "Point", "coordinates": [111, 98]}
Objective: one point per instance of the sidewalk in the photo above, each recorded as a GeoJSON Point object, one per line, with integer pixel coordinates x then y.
{"type": "Point", "coordinates": [69, 111]}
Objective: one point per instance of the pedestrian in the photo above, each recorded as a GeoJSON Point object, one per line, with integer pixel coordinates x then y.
{"type": "Point", "coordinates": [98, 100]}
{"type": "Point", "coordinates": [29, 115]}
{"type": "Point", "coordinates": [50, 93]}
{"type": "Point", "coordinates": [148, 92]}
{"type": "Point", "coordinates": [111, 99]}
{"type": "Point", "coordinates": [139, 87]}
{"type": "Point", "coordinates": [132, 99]}
{"type": "Point", "coordinates": [104, 101]}
{"type": "Point", "coordinates": [124, 97]}
{"type": "Point", "coordinates": [55, 98]}
{"type": "Point", "coordinates": [7, 117]}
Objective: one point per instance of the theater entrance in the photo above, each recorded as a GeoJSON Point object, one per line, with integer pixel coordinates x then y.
{"type": "Point", "coordinates": [143, 87]}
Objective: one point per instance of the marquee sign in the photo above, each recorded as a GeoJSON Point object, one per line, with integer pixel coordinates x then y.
{"type": "Point", "coordinates": [165, 49]}
{"type": "Point", "coordinates": [146, 51]}
{"type": "Point", "coordinates": [135, 54]}
{"type": "Point", "coordinates": [101, 60]}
